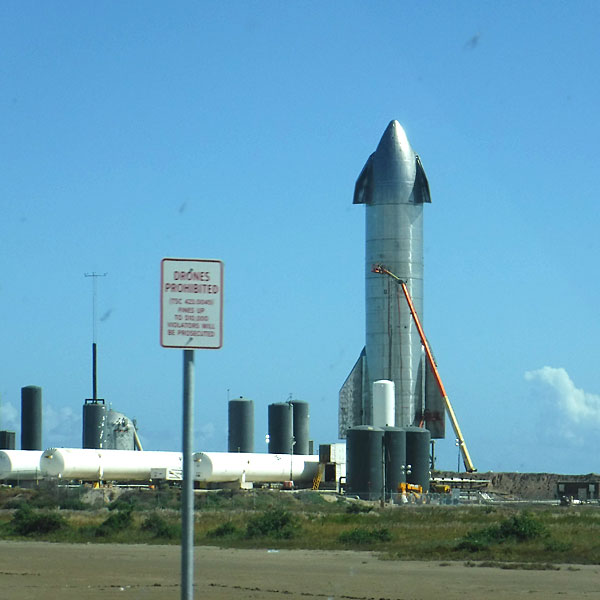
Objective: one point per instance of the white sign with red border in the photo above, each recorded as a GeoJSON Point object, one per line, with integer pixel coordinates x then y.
{"type": "Point", "coordinates": [191, 303]}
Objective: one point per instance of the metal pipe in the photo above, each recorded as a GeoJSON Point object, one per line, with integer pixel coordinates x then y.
{"type": "Point", "coordinates": [136, 440]}
{"type": "Point", "coordinates": [187, 497]}
{"type": "Point", "coordinates": [94, 372]}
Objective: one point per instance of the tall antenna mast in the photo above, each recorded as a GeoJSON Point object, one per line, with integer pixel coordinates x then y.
{"type": "Point", "coordinates": [94, 277]}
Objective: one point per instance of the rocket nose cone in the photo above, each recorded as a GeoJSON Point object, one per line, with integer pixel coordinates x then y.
{"type": "Point", "coordinates": [394, 140]}
{"type": "Point", "coordinates": [394, 165]}
{"type": "Point", "coordinates": [393, 174]}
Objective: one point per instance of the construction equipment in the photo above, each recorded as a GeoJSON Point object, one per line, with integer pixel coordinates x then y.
{"type": "Point", "coordinates": [319, 476]}
{"type": "Point", "coordinates": [410, 487]}
{"type": "Point", "coordinates": [410, 493]}
{"type": "Point", "coordinates": [439, 488]}
{"type": "Point", "coordinates": [470, 468]}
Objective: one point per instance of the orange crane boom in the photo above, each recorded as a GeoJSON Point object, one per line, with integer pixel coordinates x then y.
{"type": "Point", "coordinates": [470, 468]}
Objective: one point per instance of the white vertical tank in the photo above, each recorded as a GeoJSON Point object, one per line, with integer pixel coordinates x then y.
{"type": "Point", "coordinates": [384, 403]}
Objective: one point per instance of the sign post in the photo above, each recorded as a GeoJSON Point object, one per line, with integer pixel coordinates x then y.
{"type": "Point", "coordinates": [191, 317]}
{"type": "Point", "coordinates": [187, 495]}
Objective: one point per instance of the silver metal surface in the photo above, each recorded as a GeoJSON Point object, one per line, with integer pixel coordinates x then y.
{"type": "Point", "coordinates": [435, 411]}
{"type": "Point", "coordinates": [393, 188]}
{"type": "Point", "coordinates": [119, 431]}
{"type": "Point", "coordinates": [353, 396]}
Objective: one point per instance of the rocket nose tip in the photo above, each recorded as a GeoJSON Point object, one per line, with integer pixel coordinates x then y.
{"type": "Point", "coordinates": [395, 124]}
{"type": "Point", "coordinates": [394, 137]}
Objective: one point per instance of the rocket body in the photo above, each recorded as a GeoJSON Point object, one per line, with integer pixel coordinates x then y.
{"type": "Point", "coordinates": [393, 187]}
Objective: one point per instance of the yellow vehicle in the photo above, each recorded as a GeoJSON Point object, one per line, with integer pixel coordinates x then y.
{"type": "Point", "coordinates": [410, 487]}
{"type": "Point", "coordinates": [439, 488]}
{"type": "Point", "coordinates": [410, 493]}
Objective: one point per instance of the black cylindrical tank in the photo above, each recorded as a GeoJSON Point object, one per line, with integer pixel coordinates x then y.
{"type": "Point", "coordinates": [241, 425]}
{"type": "Point", "coordinates": [300, 426]}
{"type": "Point", "coordinates": [7, 440]}
{"type": "Point", "coordinates": [94, 423]}
{"type": "Point", "coordinates": [417, 456]}
{"type": "Point", "coordinates": [364, 466]}
{"type": "Point", "coordinates": [280, 428]}
{"type": "Point", "coordinates": [31, 418]}
{"type": "Point", "coordinates": [394, 444]}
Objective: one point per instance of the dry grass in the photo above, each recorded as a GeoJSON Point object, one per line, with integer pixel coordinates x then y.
{"type": "Point", "coordinates": [542, 536]}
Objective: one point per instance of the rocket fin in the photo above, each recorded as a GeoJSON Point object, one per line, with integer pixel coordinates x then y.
{"type": "Point", "coordinates": [363, 186]}
{"type": "Point", "coordinates": [435, 412]}
{"type": "Point", "coordinates": [351, 404]}
{"type": "Point", "coordinates": [421, 189]}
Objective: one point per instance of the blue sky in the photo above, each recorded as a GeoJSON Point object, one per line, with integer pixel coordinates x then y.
{"type": "Point", "coordinates": [235, 131]}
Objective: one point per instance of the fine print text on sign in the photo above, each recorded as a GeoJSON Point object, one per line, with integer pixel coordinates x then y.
{"type": "Point", "coordinates": [191, 303]}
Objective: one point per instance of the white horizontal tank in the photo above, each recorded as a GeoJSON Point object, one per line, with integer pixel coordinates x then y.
{"type": "Point", "coordinates": [215, 467]}
{"type": "Point", "coordinates": [20, 464]}
{"type": "Point", "coordinates": [88, 464]}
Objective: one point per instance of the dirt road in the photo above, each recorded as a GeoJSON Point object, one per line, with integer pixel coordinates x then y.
{"type": "Point", "coordinates": [35, 570]}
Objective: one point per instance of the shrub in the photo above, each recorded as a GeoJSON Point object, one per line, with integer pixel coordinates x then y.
{"type": "Point", "coordinates": [17, 503]}
{"type": "Point", "coordinates": [72, 503]}
{"type": "Point", "coordinates": [558, 546]}
{"type": "Point", "coordinates": [146, 500]}
{"type": "Point", "coordinates": [168, 497]}
{"type": "Point", "coordinates": [215, 500]}
{"type": "Point", "coordinates": [123, 504]}
{"type": "Point", "coordinates": [355, 508]}
{"type": "Point", "coordinates": [159, 527]}
{"type": "Point", "coordinates": [28, 522]}
{"type": "Point", "coordinates": [48, 497]}
{"type": "Point", "coordinates": [223, 530]}
{"type": "Point", "coordinates": [474, 542]}
{"type": "Point", "coordinates": [309, 499]}
{"type": "Point", "coordinates": [116, 521]}
{"type": "Point", "coordinates": [361, 535]}
{"type": "Point", "coordinates": [520, 528]}
{"type": "Point", "coordinates": [274, 522]}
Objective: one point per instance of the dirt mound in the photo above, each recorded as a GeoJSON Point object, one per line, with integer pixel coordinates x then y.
{"type": "Point", "coordinates": [526, 486]}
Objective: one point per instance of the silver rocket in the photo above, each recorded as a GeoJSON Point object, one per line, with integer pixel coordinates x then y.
{"type": "Point", "coordinates": [393, 187]}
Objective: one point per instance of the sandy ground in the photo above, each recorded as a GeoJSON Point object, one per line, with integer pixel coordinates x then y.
{"type": "Point", "coordinates": [38, 570]}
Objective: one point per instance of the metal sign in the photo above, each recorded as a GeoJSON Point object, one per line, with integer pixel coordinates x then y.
{"type": "Point", "coordinates": [191, 303]}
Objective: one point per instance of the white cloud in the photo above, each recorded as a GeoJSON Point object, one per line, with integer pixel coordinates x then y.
{"type": "Point", "coordinates": [61, 426]}
{"type": "Point", "coordinates": [204, 434]}
{"type": "Point", "coordinates": [577, 405]}
{"type": "Point", "coordinates": [10, 417]}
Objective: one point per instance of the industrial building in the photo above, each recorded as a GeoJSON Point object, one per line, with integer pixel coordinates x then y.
{"type": "Point", "coordinates": [391, 406]}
